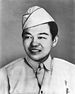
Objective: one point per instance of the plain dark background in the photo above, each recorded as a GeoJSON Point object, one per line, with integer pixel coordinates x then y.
{"type": "Point", "coordinates": [11, 12]}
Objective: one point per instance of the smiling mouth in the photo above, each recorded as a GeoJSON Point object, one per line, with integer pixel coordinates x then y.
{"type": "Point", "coordinates": [34, 51]}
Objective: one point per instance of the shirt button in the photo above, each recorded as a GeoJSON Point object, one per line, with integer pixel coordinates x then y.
{"type": "Point", "coordinates": [41, 92]}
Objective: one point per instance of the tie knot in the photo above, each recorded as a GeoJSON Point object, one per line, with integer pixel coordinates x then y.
{"type": "Point", "coordinates": [41, 66]}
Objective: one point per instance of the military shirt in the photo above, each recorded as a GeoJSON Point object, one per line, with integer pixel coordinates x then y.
{"type": "Point", "coordinates": [19, 78]}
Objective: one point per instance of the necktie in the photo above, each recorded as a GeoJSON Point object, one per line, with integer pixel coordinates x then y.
{"type": "Point", "coordinates": [40, 74]}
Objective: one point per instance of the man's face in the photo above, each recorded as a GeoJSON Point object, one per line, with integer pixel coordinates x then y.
{"type": "Point", "coordinates": [37, 41]}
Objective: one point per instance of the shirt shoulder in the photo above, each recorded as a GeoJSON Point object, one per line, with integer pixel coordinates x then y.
{"type": "Point", "coordinates": [64, 67]}
{"type": "Point", "coordinates": [13, 66]}
{"type": "Point", "coordinates": [63, 63]}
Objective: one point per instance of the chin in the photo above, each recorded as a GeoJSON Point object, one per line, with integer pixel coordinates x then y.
{"type": "Point", "coordinates": [35, 58]}
{"type": "Point", "coordinates": [39, 58]}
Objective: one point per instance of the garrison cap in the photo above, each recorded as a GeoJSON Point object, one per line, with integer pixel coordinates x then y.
{"type": "Point", "coordinates": [35, 16]}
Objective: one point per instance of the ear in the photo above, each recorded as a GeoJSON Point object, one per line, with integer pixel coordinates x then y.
{"type": "Point", "coordinates": [55, 41]}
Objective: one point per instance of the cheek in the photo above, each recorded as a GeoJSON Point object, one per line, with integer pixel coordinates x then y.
{"type": "Point", "coordinates": [47, 46]}
{"type": "Point", "coordinates": [27, 43]}
{"type": "Point", "coordinates": [47, 43]}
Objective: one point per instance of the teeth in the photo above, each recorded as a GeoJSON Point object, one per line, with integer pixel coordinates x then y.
{"type": "Point", "coordinates": [35, 50]}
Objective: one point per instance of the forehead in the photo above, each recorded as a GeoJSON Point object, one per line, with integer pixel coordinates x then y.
{"type": "Point", "coordinates": [39, 29]}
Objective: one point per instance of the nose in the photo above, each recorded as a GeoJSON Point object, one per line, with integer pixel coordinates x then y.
{"type": "Point", "coordinates": [34, 42]}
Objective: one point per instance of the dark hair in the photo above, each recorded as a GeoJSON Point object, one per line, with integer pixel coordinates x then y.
{"type": "Point", "coordinates": [53, 29]}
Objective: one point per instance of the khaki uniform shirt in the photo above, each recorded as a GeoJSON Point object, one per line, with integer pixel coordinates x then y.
{"type": "Point", "coordinates": [19, 78]}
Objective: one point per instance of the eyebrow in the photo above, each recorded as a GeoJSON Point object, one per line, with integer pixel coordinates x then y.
{"type": "Point", "coordinates": [25, 32]}
{"type": "Point", "coordinates": [43, 34]}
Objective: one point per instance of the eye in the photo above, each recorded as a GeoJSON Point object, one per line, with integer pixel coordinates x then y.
{"type": "Point", "coordinates": [27, 37]}
{"type": "Point", "coordinates": [41, 37]}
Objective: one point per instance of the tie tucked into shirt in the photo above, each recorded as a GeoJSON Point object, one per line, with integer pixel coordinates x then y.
{"type": "Point", "coordinates": [43, 75]}
{"type": "Point", "coordinates": [40, 74]}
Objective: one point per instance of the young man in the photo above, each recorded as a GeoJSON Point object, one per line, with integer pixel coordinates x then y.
{"type": "Point", "coordinates": [38, 73]}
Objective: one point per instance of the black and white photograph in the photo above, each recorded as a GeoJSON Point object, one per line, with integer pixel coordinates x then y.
{"type": "Point", "coordinates": [37, 47]}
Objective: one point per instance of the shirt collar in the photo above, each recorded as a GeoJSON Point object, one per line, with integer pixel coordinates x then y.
{"type": "Point", "coordinates": [48, 63]}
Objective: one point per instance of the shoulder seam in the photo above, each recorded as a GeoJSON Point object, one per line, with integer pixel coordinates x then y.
{"type": "Point", "coordinates": [11, 63]}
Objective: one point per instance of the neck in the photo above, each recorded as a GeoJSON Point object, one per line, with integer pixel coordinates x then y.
{"type": "Point", "coordinates": [34, 64]}
{"type": "Point", "coordinates": [43, 59]}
